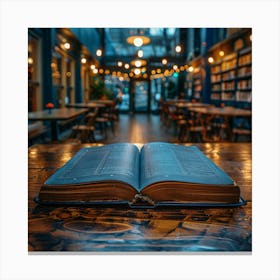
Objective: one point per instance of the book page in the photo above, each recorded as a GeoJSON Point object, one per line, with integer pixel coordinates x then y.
{"type": "Point", "coordinates": [115, 162]}
{"type": "Point", "coordinates": [170, 162]}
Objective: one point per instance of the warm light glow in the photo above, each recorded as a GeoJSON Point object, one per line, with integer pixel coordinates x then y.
{"type": "Point", "coordinates": [30, 60]}
{"type": "Point", "coordinates": [83, 60]}
{"type": "Point", "coordinates": [67, 46]}
{"type": "Point", "coordinates": [190, 69]}
{"type": "Point", "coordinates": [178, 49]}
{"type": "Point", "coordinates": [221, 53]}
{"type": "Point", "coordinates": [126, 66]}
{"type": "Point", "coordinates": [99, 52]}
{"type": "Point", "coordinates": [101, 71]}
{"type": "Point", "coordinates": [210, 59]}
{"type": "Point", "coordinates": [153, 72]}
{"type": "Point", "coordinates": [158, 70]}
{"type": "Point", "coordinates": [138, 42]}
{"type": "Point", "coordinates": [137, 71]}
{"type": "Point", "coordinates": [140, 53]}
{"type": "Point", "coordinates": [68, 74]}
{"type": "Point", "coordinates": [92, 66]}
{"type": "Point", "coordinates": [130, 74]}
{"type": "Point", "coordinates": [164, 61]}
{"type": "Point", "coordinates": [182, 68]}
{"type": "Point", "coordinates": [175, 67]}
{"type": "Point", "coordinates": [119, 63]}
{"type": "Point", "coordinates": [138, 63]}
{"type": "Point", "coordinates": [95, 71]}
{"type": "Point", "coordinates": [121, 79]}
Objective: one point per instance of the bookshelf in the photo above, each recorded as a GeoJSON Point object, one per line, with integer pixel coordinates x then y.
{"type": "Point", "coordinates": [244, 76]}
{"type": "Point", "coordinates": [197, 84]}
{"type": "Point", "coordinates": [231, 76]}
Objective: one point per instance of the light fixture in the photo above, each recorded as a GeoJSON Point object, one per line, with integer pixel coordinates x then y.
{"type": "Point", "coordinates": [175, 67]}
{"type": "Point", "coordinates": [92, 67]}
{"type": "Point", "coordinates": [137, 71]}
{"type": "Point", "coordinates": [210, 59]}
{"type": "Point", "coordinates": [178, 48]}
{"type": "Point", "coordinates": [138, 39]}
{"type": "Point", "coordinates": [140, 53]}
{"type": "Point", "coordinates": [30, 60]}
{"type": "Point", "coordinates": [126, 66]}
{"type": "Point", "coordinates": [119, 63]}
{"type": "Point", "coordinates": [164, 61]}
{"type": "Point", "coordinates": [67, 46]}
{"type": "Point", "coordinates": [190, 69]}
{"type": "Point", "coordinates": [83, 60]}
{"type": "Point", "coordinates": [138, 62]}
{"type": "Point", "coordinates": [99, 52]}
{"type": "Point", "coordinates": [221, 53]}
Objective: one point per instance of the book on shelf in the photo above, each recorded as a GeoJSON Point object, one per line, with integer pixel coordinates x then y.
{"type": "Point", "coordinates": [156, 174]}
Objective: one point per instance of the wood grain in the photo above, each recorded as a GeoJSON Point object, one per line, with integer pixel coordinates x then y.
{"type": "Point", "coordinates": [121, 229]}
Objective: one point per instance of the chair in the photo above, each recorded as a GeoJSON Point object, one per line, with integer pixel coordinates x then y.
{"type": "Point", "coordinates": [242, 129]}
{"type": "Point", "coordinates": [85, 130]}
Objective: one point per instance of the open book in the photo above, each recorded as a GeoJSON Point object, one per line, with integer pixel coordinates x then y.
{"type": "Point", "coordinates": [157, 174]}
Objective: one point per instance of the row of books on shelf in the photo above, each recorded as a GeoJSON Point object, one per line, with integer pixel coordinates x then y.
{"type": "Point", "coordinates": [244, 71]}
{"type": "Point", "coordinates": [228, 65]}
{"type": "Point", "coordinates": [245, 59]}
{"type": "Point", "coordinates": [239, 96]}
{"type": "Point", "coordinates": [244, 84]}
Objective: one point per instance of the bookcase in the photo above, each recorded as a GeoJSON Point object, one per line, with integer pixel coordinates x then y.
{"type": "Point", "coordinates": [197, 84]}
{"type": "Point", "coordinates": [244, 76]}
{"type": "Point", "coordinates": [231, 79]}
{"type": "Point", "coordinates": [195, 78]}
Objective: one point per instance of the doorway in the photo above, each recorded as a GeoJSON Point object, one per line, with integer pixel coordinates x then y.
{"type": "Point", "coordinates": [140, 93]}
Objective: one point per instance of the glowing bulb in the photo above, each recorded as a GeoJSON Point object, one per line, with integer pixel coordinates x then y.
{"type": "Point", "coordinates": [99, 52]}
{"type": "Point", "coordinates": [175, 67]}
{"type": "Point", "coordinates": [126, 66]}
{"type": "Point", "coordinates": [221, 53]}
{"type": "Point", "coordinates": [164, 61]}
{"type": "Point", "coordinates": [30, 60]}
{"type": "Point", "coordinates": [120, 64]}
{"type": "Point", "coordinates": [140, 53]}
{"type": "Point", "coordinates": [190, 69]}
{"type": "Point", "coordinates": [138, 42]}
{"type": "Point", "coordinates": [210, 59]}
{"type": "Point", "coordinates": [67, 46]}
{"type": "Point", "coordinates": [138, 63]}
{"type": "Point", "coordinates": [178, 49]}
{"type": "Point", "coordinates": [137, 71]}
{"type": "Point", "coordinates": [83, 60]}
{"type": "Point", "coordinates": [95, 71]}
{"type": "Point", "coordinates": [92, 67]}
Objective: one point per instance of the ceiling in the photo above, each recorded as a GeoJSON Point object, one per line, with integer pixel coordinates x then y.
{"type": "Point", "coordinates": [162, 42]}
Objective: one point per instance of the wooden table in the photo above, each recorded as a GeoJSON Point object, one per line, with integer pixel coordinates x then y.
{"type": "Point", "coordinates": [228, 114]}
{"type": "Point", "coordinates": [226, 111]}
{"type": "Point", "coordinates": [55, 115]}
{"type": "Point", "coordinates": [121, 229]}
{"type": "Point", "coordinates": [91, 105]}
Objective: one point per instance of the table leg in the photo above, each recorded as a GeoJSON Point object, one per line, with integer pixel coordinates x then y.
{"type": "Point", "coordinates": [54, 131]}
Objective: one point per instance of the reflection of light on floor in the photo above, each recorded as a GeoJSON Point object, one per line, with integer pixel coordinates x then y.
{"type": "Point", "coordinates": [136, 133]}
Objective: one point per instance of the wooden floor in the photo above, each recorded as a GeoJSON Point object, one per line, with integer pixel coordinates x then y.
{"type": "Point", "coordinates": [132, 128]}
{"type": "Point", "coordinates": [140, 128]}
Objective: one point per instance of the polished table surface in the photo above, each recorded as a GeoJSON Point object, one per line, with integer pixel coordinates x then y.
{"type": "Point", "coordinates": [121, 229]}
{"type": "Point", "coordinates": [54, 115]}
{"type": "Point", "coordinates": [225, 111]}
